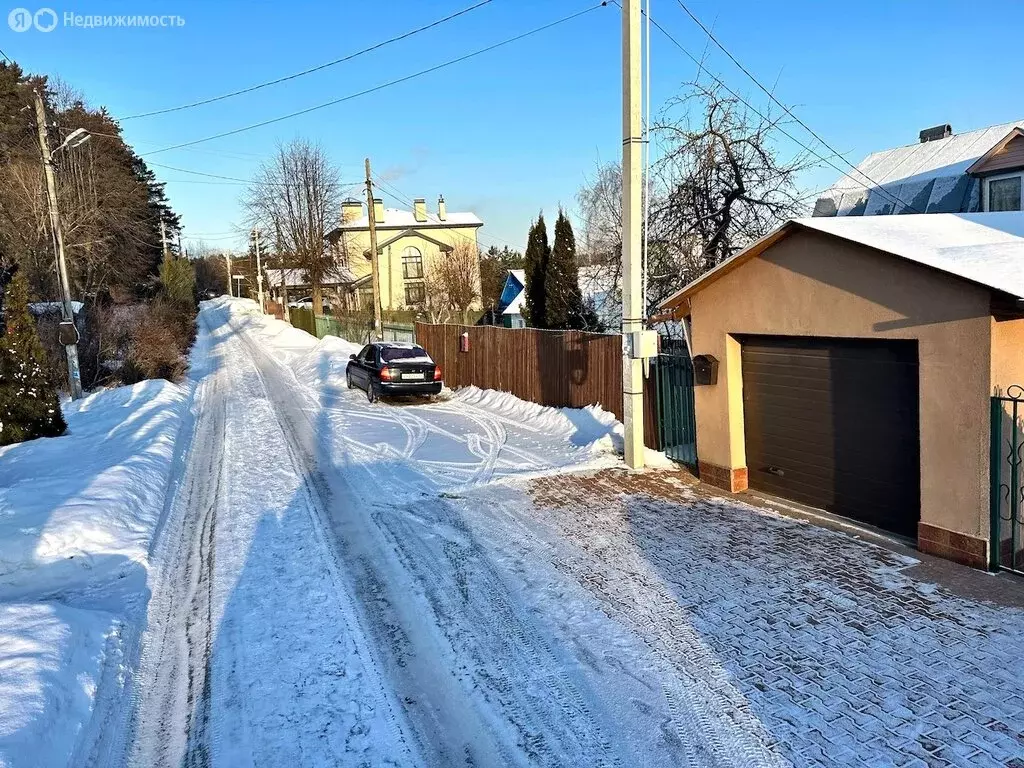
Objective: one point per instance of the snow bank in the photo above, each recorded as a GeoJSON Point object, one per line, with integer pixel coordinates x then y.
{"type": "Point", "coordinates": [81, 509]}
{"type": "Point", "coordinates": [325, 364]}
{"type": "Point", "coordinates": [77, 515]}
{"type": "Point", "coordinates": [51, 660]}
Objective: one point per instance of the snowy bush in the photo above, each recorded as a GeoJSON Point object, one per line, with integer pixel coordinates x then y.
{"type": "Point", "coordinates": [28, 402]}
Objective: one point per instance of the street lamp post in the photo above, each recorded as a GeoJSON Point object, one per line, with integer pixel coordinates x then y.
{"type": "Point", "coordinates": [68, 329]}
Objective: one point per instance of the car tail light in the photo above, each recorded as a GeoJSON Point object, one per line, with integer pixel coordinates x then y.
{"type": "Point", "coordinates": [437, 373]}
{"type": "Point", "coordinates": [386, 374]}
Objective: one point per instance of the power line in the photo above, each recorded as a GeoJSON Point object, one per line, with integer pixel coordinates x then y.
{"type": "Point", "coordinates": [9, 59]}
{"type": "Point", "coordinates": [311, 70]}
{"type": "Point", "coordinates": [700, 64]}
{"type": "Point", "coordinates": [237, 180]}
{"type": "Point", "coordinates": [786, 109]}
{"type": "Point", "coordinates": [381, 87]}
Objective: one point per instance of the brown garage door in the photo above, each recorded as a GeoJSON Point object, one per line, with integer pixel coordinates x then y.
{"type": "Point", "coordinates": [833, 423]}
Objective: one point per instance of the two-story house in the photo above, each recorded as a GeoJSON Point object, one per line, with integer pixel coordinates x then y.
{"type": "Point", "coordinates": [409, 245]}
{"type": "Point", "coordinates": [971, 172]}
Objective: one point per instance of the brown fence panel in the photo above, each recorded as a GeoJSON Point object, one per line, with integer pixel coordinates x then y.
{"type": "Point", "coordinates": [555, 368]}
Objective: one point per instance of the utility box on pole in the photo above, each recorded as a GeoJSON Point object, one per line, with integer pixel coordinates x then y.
{"type": "Point", "coordinates": [69, 339]}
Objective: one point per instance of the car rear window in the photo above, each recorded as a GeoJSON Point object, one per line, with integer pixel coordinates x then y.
{"type": "Point", "coordinates": [389, 354]}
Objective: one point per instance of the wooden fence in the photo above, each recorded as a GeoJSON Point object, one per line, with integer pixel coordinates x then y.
{"type": "Point", "coordinates": [556, 368]}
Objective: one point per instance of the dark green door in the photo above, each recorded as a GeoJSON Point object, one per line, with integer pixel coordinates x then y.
{"type": "Point", "coordinates": [677, 423]}
{"type": "Point", "coordinates": [1007, 492]}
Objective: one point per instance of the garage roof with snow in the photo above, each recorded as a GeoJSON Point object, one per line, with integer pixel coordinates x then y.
{"type": "Point", "coordinates": [986, 249]}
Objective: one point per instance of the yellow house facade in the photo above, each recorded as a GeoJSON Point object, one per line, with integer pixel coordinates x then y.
{"type": "Point", "coordinates": [410, 246]}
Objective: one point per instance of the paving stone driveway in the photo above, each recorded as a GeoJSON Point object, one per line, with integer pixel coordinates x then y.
{"type": "Point", "coordinates": [842, 654]}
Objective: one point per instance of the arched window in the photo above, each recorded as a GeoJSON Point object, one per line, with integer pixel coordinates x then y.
{"type": "Point", "coordinates": [412, 263]}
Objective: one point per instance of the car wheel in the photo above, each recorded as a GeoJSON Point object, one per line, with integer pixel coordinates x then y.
{"type": "Point", "coordinates": [348, 381]}
{"type": "Point", "coordinates": [371, 393]}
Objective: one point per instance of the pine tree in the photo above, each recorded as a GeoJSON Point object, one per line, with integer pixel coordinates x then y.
{"type": "Point", "coordinates": [563, 300]}
{"type": "Point", "coordinates": [538, 253]}
{"type": "Point", "coordinates": [28, 402]}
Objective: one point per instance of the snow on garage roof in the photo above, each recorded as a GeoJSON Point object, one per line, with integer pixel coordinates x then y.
{"type": "Point", "coordinates": [983, 248]}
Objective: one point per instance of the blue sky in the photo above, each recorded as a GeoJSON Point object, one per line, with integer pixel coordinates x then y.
{"type": "Point", "coordinates": [517, 130]}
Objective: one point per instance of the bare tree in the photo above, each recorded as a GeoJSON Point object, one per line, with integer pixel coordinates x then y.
{"type": "Point", "coordinates": [452, 283]}
{"type": "Point", "coordinates": [719, 184]}
{"type": "Point", "coordinates": [299, 191]}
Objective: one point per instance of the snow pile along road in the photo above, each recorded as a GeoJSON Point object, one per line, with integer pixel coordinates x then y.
{"type": "Point", "coordinates": [78, 515]}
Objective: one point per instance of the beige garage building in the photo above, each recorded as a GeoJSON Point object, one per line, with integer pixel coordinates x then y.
{"type": "Point", "coordinates": [857, 358]}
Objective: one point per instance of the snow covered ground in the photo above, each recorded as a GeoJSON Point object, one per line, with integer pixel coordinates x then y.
{"type": "Point", "coordinates": [334, 582]}
{"type": "Point", "coordinates": [77, 518]}
{"type": "Point", "coordinates": [320, 602]}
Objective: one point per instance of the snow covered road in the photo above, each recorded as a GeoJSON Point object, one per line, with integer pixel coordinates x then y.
{"type": "Point", "coordinates": [324, 595]}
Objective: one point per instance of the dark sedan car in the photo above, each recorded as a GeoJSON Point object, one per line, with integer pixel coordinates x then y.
{"type": "Point", "coordinates": [393, 368]}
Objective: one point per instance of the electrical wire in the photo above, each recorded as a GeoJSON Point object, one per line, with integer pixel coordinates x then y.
{"type": "Point", "coordinates": [381, 87]}
{"type": "Point", "coordinates": [785, 108]}
{"type": "Point", "coordinates": [758, 112]}
{"type": "Point", "coordinates": [9, 59]}
{"type": "Point", "coordinates": [311, 70]}
{"type": "Point", "coordinates": [237, 180]}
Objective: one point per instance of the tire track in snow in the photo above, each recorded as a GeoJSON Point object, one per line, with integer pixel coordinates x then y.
{"type": "Point", "coordinates": [173, 674]}
{"type": "Point", "coordinates": [476, 675]}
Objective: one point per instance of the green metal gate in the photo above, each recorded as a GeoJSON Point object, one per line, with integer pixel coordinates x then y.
{"type": "Point", "coordinates": [1006, 490]}
{"type": "Point", "coordinates": [677, 422]}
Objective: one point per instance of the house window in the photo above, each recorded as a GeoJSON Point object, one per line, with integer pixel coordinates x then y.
{"type": "Point", "coordinates": [1004, 193]}
{"type": "Point", "coordinates": [412, 263]}
{"type": "Point", "coordinates": [415, 294]}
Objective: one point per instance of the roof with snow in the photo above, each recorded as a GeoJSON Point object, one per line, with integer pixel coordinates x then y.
{"type": "Point", "coordinates": [297, 277]}
{"type": "Point", "coordinates": [986, 249]}
{"type": "Point", "coordinates": [928, 177]}
{"type": "Point", "coordinates": [399, 218]}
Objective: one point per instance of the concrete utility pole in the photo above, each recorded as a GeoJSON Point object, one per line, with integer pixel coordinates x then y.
{"type": "Point", "coordinates": [632, 237]}
{"type": "Point", "coordinates": [68, 330]}
{"type": "Point", "coordinates": [259, 269]}
{"type": "Point", "coordinates": [163, 238]}
{"type": "Point", "coordinates": [227, 259]}
{"type": "Point", "coordinates": [374, 276]}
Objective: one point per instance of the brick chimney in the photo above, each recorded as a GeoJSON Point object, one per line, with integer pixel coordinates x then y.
{"type": "Point", "coordinates": [442, 209]}
{"type": "Point", "coordinates": [419, 209]}
{"type": "Point", "coordinates": [378, 210]}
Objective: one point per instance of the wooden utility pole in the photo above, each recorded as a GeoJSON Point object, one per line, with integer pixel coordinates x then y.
{"type": "Point", "coordinates": [374, 275]}
{"type": "Point", "coordinates": [632, 237]}
{"type": "Point", "coordinates": [68, 329]}
{"type": "Point", "coordinates": [259, 269]}
{"type": "Point", "coordinates": [284, 273]}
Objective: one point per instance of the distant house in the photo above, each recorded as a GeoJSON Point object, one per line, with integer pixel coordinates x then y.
{"type": "Point", "coordinates": [971, 172]}
{"type": "Point", "coordinates": [408, 244]}
{"type": "Point", "coordinates": [513, 296]}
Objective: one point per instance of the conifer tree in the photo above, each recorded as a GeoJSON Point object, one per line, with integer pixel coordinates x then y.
{"type": "Point", "coordinates": [538, 253]}
{"type": "Point", "coordinates": [564, 306]}
{"type": "Point", "coordinates": [28, 402]}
